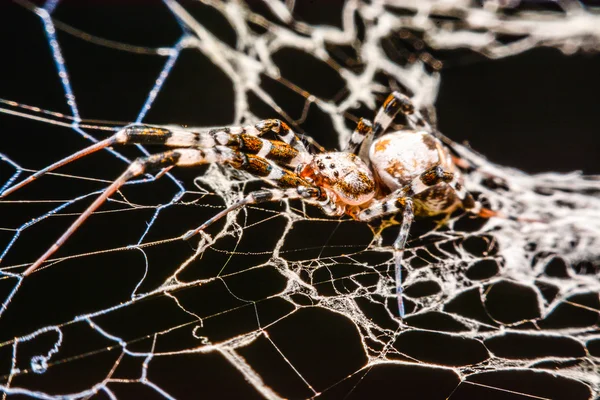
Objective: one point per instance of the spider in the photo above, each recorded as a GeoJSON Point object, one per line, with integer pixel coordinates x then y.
{"type": "Point", "coordinates": [407, 171]}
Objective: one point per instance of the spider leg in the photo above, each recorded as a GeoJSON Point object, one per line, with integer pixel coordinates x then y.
{"type": "Point", "coordinates": [140, 166]}
{"type": "Point", "coordinates": [394, 202]}
{"type": "Point", "coordinates": [396, 102]}
{"type": "Point", "coordinates": [260, 196]}
{"type": "Point", "coordinates": [364, 129]}
{"type": "Point", "coordinates": [88, 150]}
{"type": "Point", "coordinates": [399, 243]}
{"type": "Point", "coordinates": [243, 138]}
{"type": "Point", "coordinates": [472, 206]}
{"type": "Point", "coordinates": [313, 143]}
{"type": "Point", "coordinates": [179, 157]}
{"type": "Point", "coordinates": [401, 201]}
{"type": "Point", "coordinates": [405, 205]}
{"type": "Point", "coordinates": [132, 134]}
{"type": "Point", "coordinates": [283, 132]}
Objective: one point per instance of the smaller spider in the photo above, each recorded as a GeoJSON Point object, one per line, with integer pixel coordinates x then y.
{"type": "Point", "coordinates": [407, 171]}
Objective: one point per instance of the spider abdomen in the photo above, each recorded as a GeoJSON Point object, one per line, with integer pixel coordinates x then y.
{"type": "Point", "coordinates": [400, 157]}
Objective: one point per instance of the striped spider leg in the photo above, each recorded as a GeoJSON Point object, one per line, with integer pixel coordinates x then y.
{"type": "Point", "coordinates": [401, 201]}
{"type": "Point", "coordinates": [239, 147]}
{"type": "Point", "coordinates": [415, 168]}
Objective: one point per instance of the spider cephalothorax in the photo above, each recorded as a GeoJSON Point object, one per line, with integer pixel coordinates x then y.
{"type": "Point", "coordinates": [346, 179]}
{"type": "Point", "coordinates": [408, 172]}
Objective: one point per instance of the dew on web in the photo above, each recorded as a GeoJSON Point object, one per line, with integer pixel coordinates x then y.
{"type": "Point", "coordinates": [277, 300]}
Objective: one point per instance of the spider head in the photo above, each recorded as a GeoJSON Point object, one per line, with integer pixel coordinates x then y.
{"type": "Point", "coordinates": [344, 174]}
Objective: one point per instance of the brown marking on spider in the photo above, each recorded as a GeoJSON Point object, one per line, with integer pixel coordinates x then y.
{"type": "Point", "coordinates": [395, 169]}
{"type": "Point", "coordinates": [357, 186]}
{"type": "Point", "coordinates": [363, 126]}
{"type": "Point", "coordinates": [382, 145]}
{"type": "Point", "coordinates": [396, 103]}
{"type": "Point", "coordinates": [256, 165]}
{"type": "Point", "coordinates": [431, 142]}
{"type": "Point", "coordinates": [401, 202]}
{"type": "Point", "coordinates": [291, 180]}
{"type": "Point", "coordinates": [281, 151]}
{"type": "Point", "coordinates": [249, 143]}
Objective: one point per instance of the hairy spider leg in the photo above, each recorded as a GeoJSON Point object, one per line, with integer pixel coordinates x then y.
{"type": "Point", "coordinates": [133, 134]}
{"type": "Point", "coordinates": [243, 137]}
{"type": "Point", "coordinates": [286, 134]}
{"type": "Point", "coordinates": [283, 131]}
{"type": "Point", "coordinates": [262, 196]}
{"type": "Point", "coordinates": [401, 201]}
{"type": "Point", "coordinates": [399, 244]}
{"type": "Point", "coordinates": [179, 157]}
{"type": "Point", "coordinates": [364, 129]}
{"type": "Point", "coordinates": [88, 150]}
{"type": "Point", "coordinates": [388, 205]}
{"type": "Point", "coordinates": [466, 198]}
{"type": "Point", "coordinates": [396, 102]}
{"type": "Point", "coordinates": [363, 137]}
{"type": "Point", "coordinates": [312, 142]}
{"type": "Point", "coordinates": [471, 205]}
{"type": "Point", "coordinates": [274, 174]}
{"type": "Point", "coordinates": [138, 167]}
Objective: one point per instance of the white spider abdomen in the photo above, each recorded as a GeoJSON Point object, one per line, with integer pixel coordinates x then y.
{"type": "Point", "coordinates": [401, 156]}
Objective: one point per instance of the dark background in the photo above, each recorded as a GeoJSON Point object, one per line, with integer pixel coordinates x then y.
{"type": "Point", "coordinates": [536, 111]}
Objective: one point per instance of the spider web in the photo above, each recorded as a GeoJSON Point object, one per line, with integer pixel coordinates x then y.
{"type": "Point", "coordinates": [278, 301]}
